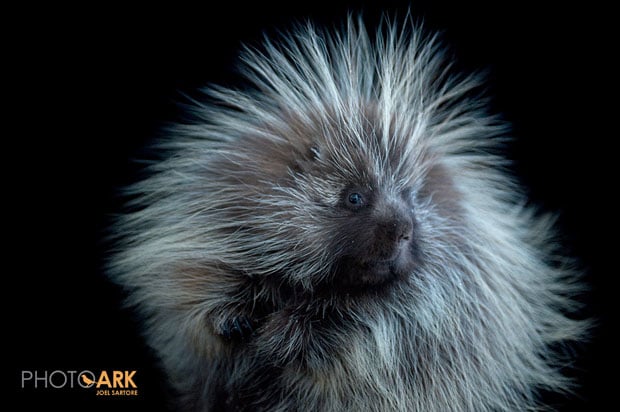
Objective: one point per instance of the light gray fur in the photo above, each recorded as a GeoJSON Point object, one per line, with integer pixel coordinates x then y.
{"type": "Point", "coordinates": [476, 327]}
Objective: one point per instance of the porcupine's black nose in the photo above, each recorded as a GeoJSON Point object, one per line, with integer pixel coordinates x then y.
{"type": "Point", "coordinates": [393, 234]}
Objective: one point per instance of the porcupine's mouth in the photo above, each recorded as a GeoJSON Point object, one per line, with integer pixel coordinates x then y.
{"type": "Point", "coordinates": [353, 273]}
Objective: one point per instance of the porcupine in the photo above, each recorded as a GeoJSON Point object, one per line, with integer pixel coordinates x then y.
{"type": "Point", "coordinates": [343, 234]}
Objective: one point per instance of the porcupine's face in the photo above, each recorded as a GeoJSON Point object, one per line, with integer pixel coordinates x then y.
{"type": "Point", "coordinates": [371, 226]}
{"type": "Point", "coordinates": [327, 206]}
{"type": "Point", "coordinates": [376, 234]}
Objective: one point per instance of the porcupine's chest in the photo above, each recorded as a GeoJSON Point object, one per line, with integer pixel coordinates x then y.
{"type": "Point", "coordinates": [319, 360]}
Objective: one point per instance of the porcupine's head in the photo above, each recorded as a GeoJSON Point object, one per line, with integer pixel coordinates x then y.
{"type": "Point", "coordinates": [321, 172]}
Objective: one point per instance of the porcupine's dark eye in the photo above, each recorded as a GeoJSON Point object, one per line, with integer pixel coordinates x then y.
{"type": "Point", "coordinates": [355, 200]}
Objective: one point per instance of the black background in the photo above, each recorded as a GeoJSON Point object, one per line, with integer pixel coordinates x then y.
{"type": "Point", "coordinates": [86, 88]}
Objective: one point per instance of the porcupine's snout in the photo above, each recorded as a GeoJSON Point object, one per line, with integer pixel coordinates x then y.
{"type": "Point", "coordinates": [381, 245]}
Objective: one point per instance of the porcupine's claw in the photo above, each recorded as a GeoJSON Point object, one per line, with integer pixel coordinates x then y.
{"type": "Point", "coordinates": [238, 328]}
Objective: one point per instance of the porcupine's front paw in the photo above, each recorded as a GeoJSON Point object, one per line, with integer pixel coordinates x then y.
{"type": "Point", "coordinates": [239, 327]}
{"type": "Point", "coordinates": [243, 313]}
